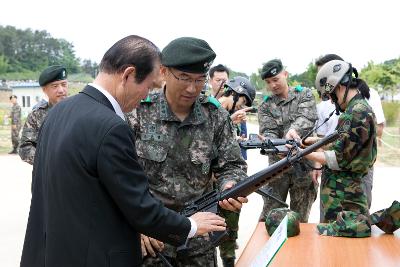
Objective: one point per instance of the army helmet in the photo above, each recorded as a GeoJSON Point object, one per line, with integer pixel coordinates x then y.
{"type": "Point", "coordinates": [242, 86]}
{"type": "Point", "coordinates": [275, 216]}
{"type": "Point", "coordinates": [331, 74]}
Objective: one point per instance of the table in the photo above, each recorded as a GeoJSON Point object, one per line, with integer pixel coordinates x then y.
{"type": "Point", "coordinates": [311, 249]}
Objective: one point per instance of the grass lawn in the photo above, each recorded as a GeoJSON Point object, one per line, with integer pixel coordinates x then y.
{"type": "Point", "coordinates": [5, 139]}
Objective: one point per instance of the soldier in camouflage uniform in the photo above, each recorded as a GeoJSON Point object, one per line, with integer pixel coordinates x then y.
{"type": "Point", "coordinates": [15, 116]}
{"type": "Point", "coordinates": [53, 81]}
{"type": "Point", "coordinates": [344, 202]}
{"type": "Point", "coordinates": [182, 138]}
{"type": "Point", "coordinates": [289, 112]}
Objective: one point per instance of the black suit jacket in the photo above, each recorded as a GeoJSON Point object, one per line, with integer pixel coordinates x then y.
{"type": "Point", "coordinates": [90, 197]}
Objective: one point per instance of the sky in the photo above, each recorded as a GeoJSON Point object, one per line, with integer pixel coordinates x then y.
{"type": "Point", "coordinates": [244, 34]}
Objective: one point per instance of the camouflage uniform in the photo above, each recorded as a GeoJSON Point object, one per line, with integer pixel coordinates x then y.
{"type": "Point", "coordinates": [276, 117]}
{"type": "Point", "coordinates": [228, 246]}
{"type": "Point", "coordinates": [15, 120]}
{"type": "Point", "coordinates": [30, 132]}
{"type": "Point", "coordinates": [355, 152]}
{"type": "Point", "coordinates": [179, 159]}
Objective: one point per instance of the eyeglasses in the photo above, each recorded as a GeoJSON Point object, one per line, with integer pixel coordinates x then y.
{"type": "Point", "coordinates": [189, 81]}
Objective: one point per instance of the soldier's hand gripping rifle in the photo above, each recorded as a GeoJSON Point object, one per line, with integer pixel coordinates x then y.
{"type": "Point", "coordinates": [269, 145]}
{"type": "Point", "coordinates": [209, 201]}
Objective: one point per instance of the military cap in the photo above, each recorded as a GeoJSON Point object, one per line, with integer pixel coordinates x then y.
{"type": "Point", "coordinates": [271, 68]}
{"type": "Point", "coordinates": [347, 224]}
{"type": "Point", "coordinates": [51, 74]}
{"type": "Point", "coordinates": [188, 54]}
{"type": "Point", "coordinates": [388, 220]}
{"type": "Point", "coordinates": [275, 216]}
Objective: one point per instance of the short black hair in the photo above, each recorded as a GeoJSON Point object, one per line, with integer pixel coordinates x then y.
{"type": "Point", "coordinates": [328, 57]}
{"type": "Point", "coordinates": [134, 51]}
{"type": "Point", "coordinates": [218, 68]}
{"type": "Point", "coordinates": [13, 96]}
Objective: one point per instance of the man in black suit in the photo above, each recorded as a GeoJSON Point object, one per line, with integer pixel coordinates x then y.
{"type": "Point", "coordinates": [90, 197]}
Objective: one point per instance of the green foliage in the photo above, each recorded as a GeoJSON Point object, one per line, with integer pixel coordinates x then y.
{"type": "Point", "coordinates": [306, 78]}
{"type": "Point", "coordinates": [3, 64]}
{"type": "Point", "coordinates": [391, 111]}
{"type": "Point", "coordinates": [28, 50]}
{"type": "Point", "coordinates": [80, 77]}
{"type": "Point", "coordinates": [385, 76]}
{"type": "Point", "coordinates": [255, 79]}
{"type": "Point", "coordinates": [24, 75]}
{"type": "Point", "coordinates": [90, 67]}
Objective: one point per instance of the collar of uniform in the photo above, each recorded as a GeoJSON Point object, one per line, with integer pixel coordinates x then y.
{"type": "Point", "coordinates": [291, 96]}
{"type": "Point", "coordinates": [196, 115]}
{"type": "Point", "coordinates": [357, 98]}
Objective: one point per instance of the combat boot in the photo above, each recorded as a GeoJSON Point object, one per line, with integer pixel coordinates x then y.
{"type": "Point", "coordinates": [228, 262]}
{"type": "Point", "coordinates": [14, 151]}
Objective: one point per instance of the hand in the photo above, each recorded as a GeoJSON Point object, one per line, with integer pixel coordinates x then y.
{"type": "Point", "coordinates": [316, 174]}
{"type": "Point", "coordinates": [292, 134]}
{"type": "Point", "coordinates": [232, 204]}
{"type": "Point", "coordinates": [240, 116]}
{"type": "Point", "coordinates": [149, 245]}
{"type": "Point", "coordinates": [311, 140]}
{"type": "Point", "coordinates": [208, 222]}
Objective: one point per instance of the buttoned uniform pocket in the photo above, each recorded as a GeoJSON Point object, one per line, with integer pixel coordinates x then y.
{"type": "Point", "coordinates": [152, 156]}
{"type": "Point", "coordinates": [200, 158]}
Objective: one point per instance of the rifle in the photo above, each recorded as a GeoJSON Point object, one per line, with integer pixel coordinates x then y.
{"type": "Point", "coordinates": [269, 145]}
{"type": "Point", "coordinates": [209, 201]}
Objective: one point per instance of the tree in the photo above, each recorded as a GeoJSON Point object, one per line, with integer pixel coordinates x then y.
{"type": "Point", "coordinates": [32, 51]}
{"type": "Point", "coordinates": [3, 64]}
{"type": "Point", "coordinates": [90, 67]}
{"type": "Point", "coordinates": [385, 75]}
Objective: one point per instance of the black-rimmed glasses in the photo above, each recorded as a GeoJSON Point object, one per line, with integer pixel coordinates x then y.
{"type": "Point", "coordinates": [189, 81]}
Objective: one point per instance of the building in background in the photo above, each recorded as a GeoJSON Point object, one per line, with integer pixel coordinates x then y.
{"type": "Point", "coordinates": [28, 93]}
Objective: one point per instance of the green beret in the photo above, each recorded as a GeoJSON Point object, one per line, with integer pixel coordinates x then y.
{"type": "Point", "coordinates": [188, 54]}
{"type": "Point", "coordinates": [347, 224]}
{"type": "Point", "coordinates": [51, 74]}
{"type": "Point", "coordinates": [388, 220]}
{"type": "Point", "coordinates": [275, 216]}
{"type": "Point", "coordinates": [271, 68]}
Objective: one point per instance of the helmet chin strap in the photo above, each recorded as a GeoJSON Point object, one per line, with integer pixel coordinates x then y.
{"type": "Point", "coordinates": [336, 102]}
{"type": "Point", "coordinates": [349, 82]}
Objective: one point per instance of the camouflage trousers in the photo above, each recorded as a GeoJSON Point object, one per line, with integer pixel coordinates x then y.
{"type": "Point", "coordinates": [342, 195]}
{"type": "Point", "coordinates": [366, 184]}
{"type": "Point", "coordinates": [15, 137]}
{"type": "Point", "coordinates": [198, 254]}
{"type": "Point", "coordinates": [228, 245]}
{"type": "Point", "coordinates": [302, 190]}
